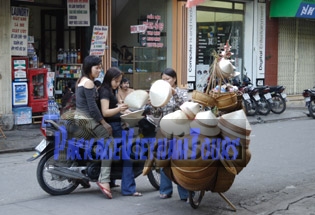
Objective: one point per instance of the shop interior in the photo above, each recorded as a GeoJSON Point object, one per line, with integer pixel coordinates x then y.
{"type": "Point", "coordinates": [140, 55]}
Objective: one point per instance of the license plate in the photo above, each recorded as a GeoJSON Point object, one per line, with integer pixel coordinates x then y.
{"type": "Point", "coordinates": [41, 146]}
{"type": "Point", "coordinates": [283, 95]}
{"type": "Point", "coordinates": [257, 97]}
{"type": "Point", "coordinates": [246, 96]}
{"type": "Point", "coordinates": [267, 96]}
{"type": "Point", "coordinates": [307, 99]}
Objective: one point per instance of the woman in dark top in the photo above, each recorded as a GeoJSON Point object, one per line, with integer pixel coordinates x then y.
{"type": "Point", "coordinates": [112, 111]}
{"type": "Point", "coordinates": [86, 108]}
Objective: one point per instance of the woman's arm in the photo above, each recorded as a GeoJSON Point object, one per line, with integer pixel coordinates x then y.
{"type": "Point", "coordinates": [106, 112]}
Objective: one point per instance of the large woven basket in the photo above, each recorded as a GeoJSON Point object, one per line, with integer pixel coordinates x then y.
{"type": "Point", "coordinates": [224, 180]}
{"type": "Point", "coordinates": [226, 101]}
{"type": "Point", "coordinates": [203, 98]}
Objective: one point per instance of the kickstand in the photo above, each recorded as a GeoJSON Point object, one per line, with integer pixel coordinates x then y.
{"type": "Point", "coordinates": [228, 201]}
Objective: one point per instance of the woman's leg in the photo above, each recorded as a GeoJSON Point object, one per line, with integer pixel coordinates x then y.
{"type": "Point", "coordinates": [128, 184]}
{"type": "Point", "coordinates": [166, 186]}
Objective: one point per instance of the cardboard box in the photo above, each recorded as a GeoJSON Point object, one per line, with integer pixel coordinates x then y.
{"type": "Point", "coordinates": [22, 115]}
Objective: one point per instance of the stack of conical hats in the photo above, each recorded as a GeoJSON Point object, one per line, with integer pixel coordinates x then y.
{"type": "Point", "coordinates": [235, 127]}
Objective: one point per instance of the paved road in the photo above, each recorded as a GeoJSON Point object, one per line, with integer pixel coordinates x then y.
{"type": "Point", "coordinates": [279, 179]}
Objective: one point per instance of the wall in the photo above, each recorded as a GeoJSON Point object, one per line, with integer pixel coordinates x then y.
{"type": "Point", "coordinates": [5, 59]}
{"type": "Point", "coordinates": [271, 67]}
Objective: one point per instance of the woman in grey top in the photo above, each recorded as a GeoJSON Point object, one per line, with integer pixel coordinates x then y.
{"type": "Point", "coordinates": [86, 107]}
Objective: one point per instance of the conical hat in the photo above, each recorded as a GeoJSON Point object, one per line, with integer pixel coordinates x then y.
{"type": "Point", "coordinates": [132, 118]}
{"type": "Point", "coordinates": [136, 99]}
{"type": "Point", "coordinates": [204, 130]}
{"type": "Point", "coordinates": [207, 118]}
{"type": "Point", "coordinates": [236, 121]}
{"type": "Point", "coordinates": [175, 123]}
{"type": "Point", "coordinates": [160, 93]}
{"type": "Point", "coordinates": [190, 109]}
{"type": "Point", "coordinates": [226, 67]}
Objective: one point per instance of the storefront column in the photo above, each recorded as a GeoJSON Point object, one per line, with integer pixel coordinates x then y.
{"type": "Point", "coordinates": [104, 18]}
{"type": "Point", "coordinates": [5, 59]}
{"type": "Point", "coordinates": [179, 44]}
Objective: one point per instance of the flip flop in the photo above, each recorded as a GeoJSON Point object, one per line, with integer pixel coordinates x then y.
{"type": "Point", "coordinates": [136, 194]}
{"type": "Point", "coordinates": [165, 196]}
{"type": "Point", "coordinates": [105, 191]}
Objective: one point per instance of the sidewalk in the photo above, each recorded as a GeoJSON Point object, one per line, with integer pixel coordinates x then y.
{"type": "Point", "coordinates": [26, 137]}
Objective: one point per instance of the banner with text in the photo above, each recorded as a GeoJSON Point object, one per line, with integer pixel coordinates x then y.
{"type": "Point", "coordinates": [19, 30]}
{"type": "Point", "coordinates": [99, 40]}
{"type": "Point", "coordinates": [78, 12]}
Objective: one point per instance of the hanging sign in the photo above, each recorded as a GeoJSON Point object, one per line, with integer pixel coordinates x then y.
{"type": "Point", "coordinates": [138, 29]}
{"type": "Point", "coordinates": [99, 39]}
{"type": "Point", "coordinates": [78, 12]}
{"type": "Point", "coordinates": [261, 38]}
{"type": "Point", "coordinates": [19, 30]}
{"type": "Point", "coordinates": [191, 44]}
{"type": "Point", "coordinates": [150, 31]}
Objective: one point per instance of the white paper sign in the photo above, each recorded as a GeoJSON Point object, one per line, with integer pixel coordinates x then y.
{"type": "Point", "coordinates": [99, 39]}
{"type": "Point", "coordinates": [78, 12]}
{"type": "Point", "coordinates": [19, 30]}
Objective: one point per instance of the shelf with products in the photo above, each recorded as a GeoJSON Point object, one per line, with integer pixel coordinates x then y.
{"type": "Point", "coordinates": [146, 67]}
{"type": "Point", "coordinates": [65, 73]}
{"type": "Point", "coordinates": [149, 59]}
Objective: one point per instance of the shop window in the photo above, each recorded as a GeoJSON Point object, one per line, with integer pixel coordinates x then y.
{"type": "Point", "coordinates": [217, 23]}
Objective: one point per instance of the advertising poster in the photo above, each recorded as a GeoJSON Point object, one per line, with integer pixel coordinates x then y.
{"type": "Point", "coordinates": [78, 12]}
{"type": "Point", "coordinates": [99, 39]}
{"type": "Point", "coordinates": [19, 31]}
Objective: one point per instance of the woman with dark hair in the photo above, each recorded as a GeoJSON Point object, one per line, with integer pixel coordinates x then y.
{"type": "Point", "coordinates": [86, 108]}
{"type": "Point", "coordinates": [112, 111]}
{"type": "Point", "coordinates": [179, 96]}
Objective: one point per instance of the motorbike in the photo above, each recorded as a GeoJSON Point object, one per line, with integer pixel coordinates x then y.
{"type": "Point", "coordinates": [309, 96]}
{"type": "Point", "coordinates": [265, 102]}
{"type": "Point", "coordinates": [68, 161]}
{"type": "Point", "coordinates": [279, 99]}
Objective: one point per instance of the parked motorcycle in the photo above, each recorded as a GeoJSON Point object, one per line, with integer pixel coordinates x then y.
{"type": "Point", "coordinates": [249, 97]}
{"type": "Point", "coordinates": [265, 102]}
{"type": "Point", "coordinates": [279, 99]}
{"type": "Point", "coordinates": [68, 161]}
{"type": "Point", "coordinates": [309, 95]}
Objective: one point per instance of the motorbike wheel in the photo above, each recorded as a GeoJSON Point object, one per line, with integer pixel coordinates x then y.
{"type": "Point", "coordinates": [195, 198]}
{"type": "Point", "coordinates": [279, 104]}
{"type": "Point", "coordinates": [264, 106]}
{"type": "Point", "coordinates": [154, 177]}
{"type": "Point", "coordinates": [51, 183]}
{"type": "Point", "coordinates": [250, 107]}
{"type": "Point", "coordinates": [311, 108]}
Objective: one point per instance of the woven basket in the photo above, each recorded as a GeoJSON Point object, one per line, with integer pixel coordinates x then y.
{"type": "Point", "coordinates": [226, 101]}
{"type": "Point", "coordinates": [224, 180]}
{"type": "Point", "coordinates": [203, 98]}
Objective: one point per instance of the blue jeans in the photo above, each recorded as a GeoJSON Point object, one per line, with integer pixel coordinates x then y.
{"type": "Point", "coordinates": [128, 184]}
{"type": "Point", "coordinates": [166, 187]}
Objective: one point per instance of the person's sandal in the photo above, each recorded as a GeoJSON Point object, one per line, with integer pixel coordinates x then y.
{"type": "Point", "coordinates": [105, 191]}
{"type": "Point", "coordinates": [164, 196]}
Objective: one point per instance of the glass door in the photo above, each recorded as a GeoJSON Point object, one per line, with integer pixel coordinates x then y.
{"type": "Point", "coordinates": [217, 23]}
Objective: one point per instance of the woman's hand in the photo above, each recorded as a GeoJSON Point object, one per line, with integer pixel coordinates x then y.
{"type": "Point", "coordinates": [122, 107]}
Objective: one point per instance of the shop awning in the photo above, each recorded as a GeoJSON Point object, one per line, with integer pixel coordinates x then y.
{"type": "Point", "coordinates": [293, 8]}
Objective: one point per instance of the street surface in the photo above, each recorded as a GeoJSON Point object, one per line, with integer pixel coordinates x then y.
{"type": "Point", "coordinates": [279, 179]}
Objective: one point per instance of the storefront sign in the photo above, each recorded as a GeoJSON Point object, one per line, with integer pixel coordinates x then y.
{"type": "Point", "coordinates": [151, 36]}
{"type": "Point", "coordinates": [99, 39]}
{"type": "Point", "coordinates": [191, 44]}
{"type": "Point", "coordinates": [19, 30]}
{"type": "Point", "coordinates": [293, 8]}
{"type": "Point", "coordinates": [78, 12]}
{"type": "Point", "coordinates": [134, 29]}
{"type": "Point", "coordinates": [260, 54]}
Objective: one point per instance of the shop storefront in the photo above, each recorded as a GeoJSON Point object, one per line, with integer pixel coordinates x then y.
{"type": "Point", "coordinates": [296, 27]}
{"type": "Point", "coordinates": [143, 38]}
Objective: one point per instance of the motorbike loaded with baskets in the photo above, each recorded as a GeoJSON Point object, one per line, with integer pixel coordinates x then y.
{"type": "Point", "coordinates": [205, 144]}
